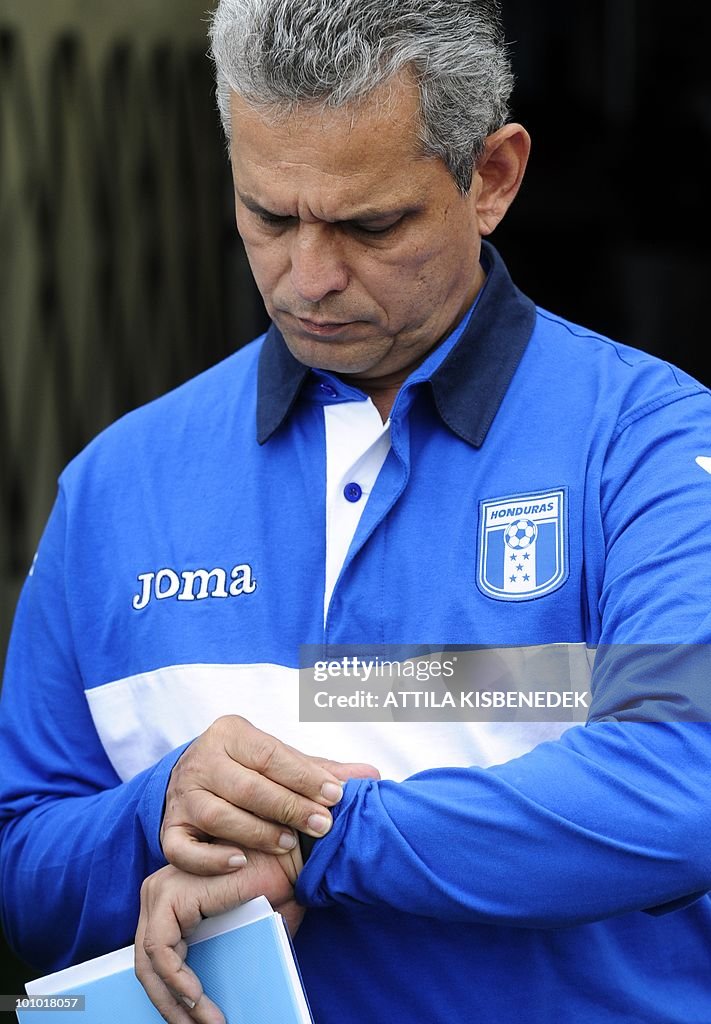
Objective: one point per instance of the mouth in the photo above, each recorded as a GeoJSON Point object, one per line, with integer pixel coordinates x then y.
{"type": "Point", "coordinates": [324, 329]}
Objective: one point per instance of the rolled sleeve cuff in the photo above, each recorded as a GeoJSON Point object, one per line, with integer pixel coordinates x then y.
{"type": "Point", "coordinates": [152, 803]}
{"type": "Point", "coordinates": [311, 890]}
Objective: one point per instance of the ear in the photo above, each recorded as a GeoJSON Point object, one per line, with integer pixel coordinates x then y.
{"type": "Point", "coordinates": [499, 173]}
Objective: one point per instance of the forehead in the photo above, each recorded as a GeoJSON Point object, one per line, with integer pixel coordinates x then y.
{"type": "Point", "coordinates": [330, 159]}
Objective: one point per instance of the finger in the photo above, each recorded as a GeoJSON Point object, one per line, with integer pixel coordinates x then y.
{"type": "Point", "coordinates": [282, 764]}
{"type": "Point", "coordinates": [162, 954]}
{"type": "Point", "coordinates": [171, 1007]}
{"type": "Point", "coordinates": [172, 905]}
{"type": "Point", "coordinates": [182, 1002]}
{"type": "Point", "coordinates": [251, 771]}
{"type": "Point", "coordinates": [355, 770]}
{"type": "Point", "coordinates": [199, 854]}
{"type": "Point", "coordinates": [251, 811]}
{"type": "Point", "coordinates": [197, 851]}
{"type": "Point", "coordinates": [206, 1012]}
{"type": "Point", "coordinates": [172, 970]}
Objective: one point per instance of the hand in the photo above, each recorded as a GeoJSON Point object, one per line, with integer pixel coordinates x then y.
{"type": "Point", "coordinates": [172, 905]}
{"type": "Point", "coordinates": [236, 786]}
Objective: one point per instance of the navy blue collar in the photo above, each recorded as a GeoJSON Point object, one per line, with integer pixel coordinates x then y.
{"type": "Point", "coordinates": [468, 387]}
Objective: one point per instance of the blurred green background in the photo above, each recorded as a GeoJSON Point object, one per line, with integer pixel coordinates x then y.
{"type": "Point", "coordinates": [121, 273]}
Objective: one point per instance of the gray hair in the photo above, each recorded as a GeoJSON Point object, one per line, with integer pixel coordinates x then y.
{"type": "Point", "coordinates": [279, 53]}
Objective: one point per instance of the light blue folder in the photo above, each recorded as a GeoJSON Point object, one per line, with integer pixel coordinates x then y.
{"type": "Point", "coordinates": [243, 958]}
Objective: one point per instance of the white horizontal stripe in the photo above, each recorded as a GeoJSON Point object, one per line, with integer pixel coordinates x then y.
{"type": "Point", "coordinates": [143, 717]}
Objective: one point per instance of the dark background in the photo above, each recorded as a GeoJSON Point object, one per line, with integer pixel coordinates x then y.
{"type": "Point", "coordinates": [121, 274]}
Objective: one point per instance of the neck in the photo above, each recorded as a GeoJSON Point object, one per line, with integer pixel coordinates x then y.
{"type": "Point", "coordinates": [382, 398]}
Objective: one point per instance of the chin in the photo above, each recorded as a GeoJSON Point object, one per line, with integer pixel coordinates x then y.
{"type": "Point", "coordinates": [333, 356]}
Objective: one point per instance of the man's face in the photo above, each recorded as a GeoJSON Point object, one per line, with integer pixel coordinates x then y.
{"type": "Point", "coordinates": [364, 250]}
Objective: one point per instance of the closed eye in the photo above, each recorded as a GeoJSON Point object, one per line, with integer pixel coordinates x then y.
{"type": "Point", "coordinates": [272, 220]}
{"type": "Point", "coordinates": [377, 231]}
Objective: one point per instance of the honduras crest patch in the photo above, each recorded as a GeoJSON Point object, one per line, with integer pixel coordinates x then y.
{"type": "Point", "coordinates": [523, 545]}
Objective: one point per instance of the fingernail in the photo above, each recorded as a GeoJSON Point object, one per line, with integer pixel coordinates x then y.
{"type": "Point", "coordinates": [238, 861]}
{"type": "Point", "coordinates": [317, 823]}
{"type": "Point", "coordinates": [287, 840]}
{"type": "Point", "coordinates": [332, 792]}
{"type": "Point", "coordinates": [188, 1002]}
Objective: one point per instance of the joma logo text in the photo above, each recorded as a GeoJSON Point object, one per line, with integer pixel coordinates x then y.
{"type": "Point", "coordinates": [193, 585]}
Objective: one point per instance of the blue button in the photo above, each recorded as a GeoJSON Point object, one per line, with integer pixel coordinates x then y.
{"type": "Point", "coordinates": [353, 492]}
{"type": "Point", "coordinates": [328, 390]}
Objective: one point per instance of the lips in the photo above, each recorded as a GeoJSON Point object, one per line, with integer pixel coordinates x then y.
{"type": "Point", "coordinates": [324, 329]}
{"type": "Point", "coordinates": [324, 325]}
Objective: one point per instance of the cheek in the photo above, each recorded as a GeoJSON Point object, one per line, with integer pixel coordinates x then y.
{"type": "Point", "coordinates": [388, 273]}
{"type": "Point", "coordinates": [396, 283]}
{"type": "Point", "coordinates": [401, 290]}
{"type": "Point", "coordinates": [407, 280]}
{"type": "Point", "coordinates": [425, 287]}
{"type": "Point", "coordinates": [449, 259]}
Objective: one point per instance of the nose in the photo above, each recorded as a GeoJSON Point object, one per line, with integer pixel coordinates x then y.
{"type": "Point", "coordinates": [317, 264]}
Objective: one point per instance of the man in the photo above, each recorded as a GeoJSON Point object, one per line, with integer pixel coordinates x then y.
{"type": "Point", "coordinates": [340, 481]}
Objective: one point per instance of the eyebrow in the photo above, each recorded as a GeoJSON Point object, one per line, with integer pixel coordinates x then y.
{"type": "Point", "coordinates": [368, 213]}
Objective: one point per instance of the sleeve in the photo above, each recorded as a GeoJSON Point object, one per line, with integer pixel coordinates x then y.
{"type": "Point", "coordinates": [569, 833]}
{"type": "Point", "coordinates": [75, 842]}
{"type": "Point", "coordinates": [614, 816]}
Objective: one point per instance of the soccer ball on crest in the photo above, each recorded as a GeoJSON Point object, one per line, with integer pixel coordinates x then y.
{"type": "Point", "coordinates": [521, 534]}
